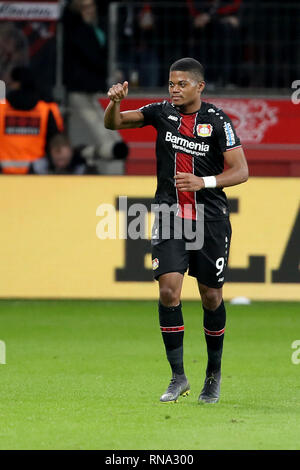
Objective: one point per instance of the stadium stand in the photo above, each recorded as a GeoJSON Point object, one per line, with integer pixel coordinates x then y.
{"type": "Point", "coordinates": [103, 42]}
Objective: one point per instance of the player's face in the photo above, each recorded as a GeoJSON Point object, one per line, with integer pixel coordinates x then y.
{"type": "Point", "coordinates": [184, 89]}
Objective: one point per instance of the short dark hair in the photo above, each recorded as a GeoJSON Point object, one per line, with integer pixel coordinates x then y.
{"type": "Point", "coordinates": [24, 76]}
{"type": "Point", "coordinates": [188, 64]}
{"type": "Point", "coordinates": [58, 141]}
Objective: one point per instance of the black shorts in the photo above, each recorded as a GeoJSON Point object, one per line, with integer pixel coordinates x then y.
{"type": "Point", "coordinates": [208, 264]}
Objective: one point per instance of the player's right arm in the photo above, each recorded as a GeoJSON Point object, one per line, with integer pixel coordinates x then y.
{"type": "Point", "coordinates": [113, 117]}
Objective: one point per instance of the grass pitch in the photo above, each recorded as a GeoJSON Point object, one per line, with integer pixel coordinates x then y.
{"type": "Point", "coordinates": [89, 374]}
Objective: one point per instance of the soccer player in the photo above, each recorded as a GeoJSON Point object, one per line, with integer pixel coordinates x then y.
{"type": "Point", "coordinates": [194, 138]}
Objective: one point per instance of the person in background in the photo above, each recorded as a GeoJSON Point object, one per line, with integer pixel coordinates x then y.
{"type": "Point", "coordinates": [215, 38]}
{"type": "Point", "coordinates": [150, 34]}
{"type": "Point", "coordinates": [85, 75]}
{"type": "Point", "coordinates": [141, 40]}
{"type": "Point", "coordinates": [41, 38]}
{"type": "Point", "coordinates": [62, 160]}
{"type": "Point", "coordinates": [85, 48]}
{"type": "Point", "coordinates": [14, 50]}
{"type": "Point", "coordinates": [27, 123]}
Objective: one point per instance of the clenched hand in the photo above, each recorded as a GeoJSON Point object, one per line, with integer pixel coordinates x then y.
{"type": "Point", "coordinates": [188, 182]}
{"type": "Point", "coordinates": [118, 92]}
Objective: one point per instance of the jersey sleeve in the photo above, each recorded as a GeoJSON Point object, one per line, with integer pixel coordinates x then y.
{"type": "Point", "coordinates": [225, 132]}
{"type": "Point", "coordinates": [151, 112]}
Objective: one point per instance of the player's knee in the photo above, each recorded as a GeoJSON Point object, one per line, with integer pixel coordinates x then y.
{"type": "Point", "coordinates": [168, 296]}
{"type": "Point", "coordinates": [211, 298]}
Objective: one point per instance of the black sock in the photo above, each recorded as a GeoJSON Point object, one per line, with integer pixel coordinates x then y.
{"type": "Point", "coordinates": [214, 327]}
{"type": "Point", "coordinates": [172, 329]}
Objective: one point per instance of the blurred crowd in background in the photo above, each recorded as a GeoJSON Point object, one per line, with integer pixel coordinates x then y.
{"type": "Point", "coordinates": [243, 44]}
{"type": "Point", "coordinates": [249, 43]}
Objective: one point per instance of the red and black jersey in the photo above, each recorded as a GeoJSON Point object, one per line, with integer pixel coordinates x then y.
{"type": "Point", "coordinates": [191, 143]}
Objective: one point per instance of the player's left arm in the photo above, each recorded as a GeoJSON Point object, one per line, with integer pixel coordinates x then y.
{"type": "Point", "coordinates": [237, 173]}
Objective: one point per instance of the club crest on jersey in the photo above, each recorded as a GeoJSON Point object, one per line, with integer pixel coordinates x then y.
{"type": "Point", "coordinates": [155, 263]}
{"type": "Point", "coordinates": [204, 130]}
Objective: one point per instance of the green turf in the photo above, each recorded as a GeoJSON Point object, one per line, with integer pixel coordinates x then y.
{"type": "Point", "coordinates": [88, 375]}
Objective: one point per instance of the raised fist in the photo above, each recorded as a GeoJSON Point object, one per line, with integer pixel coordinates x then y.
{"type": "Point", "coordinates": [118, 92]}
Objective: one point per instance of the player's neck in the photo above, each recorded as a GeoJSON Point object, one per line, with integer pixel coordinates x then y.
{"type": "Point", "coordinates": [190, 108]}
